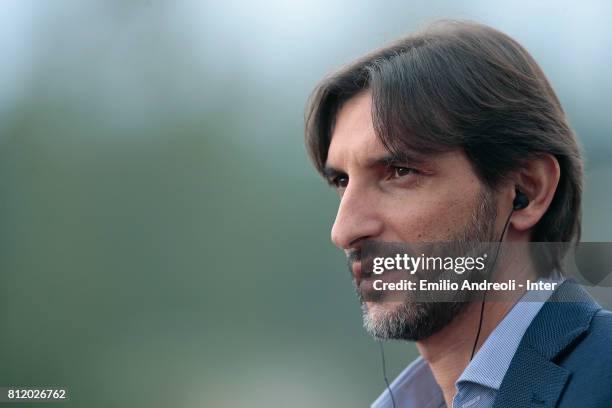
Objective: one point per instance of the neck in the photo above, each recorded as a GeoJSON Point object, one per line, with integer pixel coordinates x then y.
{"type": "Point", "coordinates": [448, 351]}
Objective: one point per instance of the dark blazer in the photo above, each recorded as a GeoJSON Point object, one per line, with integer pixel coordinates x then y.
{"type": "Point", "coordinates": [565, 358]}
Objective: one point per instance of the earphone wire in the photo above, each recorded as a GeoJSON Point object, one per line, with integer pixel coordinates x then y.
{"type": "Point", "coordinates": [501, 238]}
{"type": "Point", "coordinates": [384, 371]}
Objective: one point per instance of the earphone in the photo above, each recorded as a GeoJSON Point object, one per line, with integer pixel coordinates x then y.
{"type": "Point", "coordinates": [520, 202]}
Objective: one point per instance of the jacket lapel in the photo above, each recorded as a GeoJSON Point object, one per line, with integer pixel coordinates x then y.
{"type": "Point", "coordinates": [533, 379]}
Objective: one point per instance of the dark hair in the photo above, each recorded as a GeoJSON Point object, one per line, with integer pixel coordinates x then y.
{"type": "Point", "coordinates": [461, 85]}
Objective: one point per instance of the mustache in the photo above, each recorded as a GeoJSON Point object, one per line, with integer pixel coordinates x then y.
{"type": "Point", "coordinates": [365, 255]}
{"type": "Point", "coordinates": [352, 257]}
{"type": "Point", "coordinates": [373, 248]}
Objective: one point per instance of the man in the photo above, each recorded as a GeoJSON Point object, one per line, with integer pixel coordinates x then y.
{"type": "Point", "coordinates": [455, 134]}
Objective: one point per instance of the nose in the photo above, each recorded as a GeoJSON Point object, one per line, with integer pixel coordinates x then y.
{"type": "Point", "coordinates": [357, 219]}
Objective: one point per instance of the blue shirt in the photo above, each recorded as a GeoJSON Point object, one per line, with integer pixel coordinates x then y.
{"type": "Point", "coordinates": [479, 383]}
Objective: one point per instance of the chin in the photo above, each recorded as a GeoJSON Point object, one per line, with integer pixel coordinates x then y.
{"type": "Point", "coordinates": [388, 320]}
{"type": "Point", "coordinates": [381, 310]}
{"type": "Point", "coordinates": [408, 321]}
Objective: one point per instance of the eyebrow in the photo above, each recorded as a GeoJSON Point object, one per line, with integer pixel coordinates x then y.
{"type": "Point", "coordinates": [386, 160]}
{"type": "Point", "coordinates": [330, 172]}
{"type": "Point", "coordinates": [396, 158]}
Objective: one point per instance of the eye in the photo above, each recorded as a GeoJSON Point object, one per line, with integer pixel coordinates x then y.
{"type": "Point", "coordinates": [398, 171]}
{"type": "Point", "coordinates": [339, 181]}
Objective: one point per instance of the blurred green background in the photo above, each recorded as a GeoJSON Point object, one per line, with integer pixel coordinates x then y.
{"type": "Point", "coordinates": [164, 240]}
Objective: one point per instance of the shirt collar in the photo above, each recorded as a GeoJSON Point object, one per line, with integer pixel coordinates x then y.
{"type": "Point", "coordinates": [491, 362]}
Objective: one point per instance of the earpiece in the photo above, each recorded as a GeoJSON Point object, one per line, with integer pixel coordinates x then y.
{"type": "Point", "coordinates": [520, 201]}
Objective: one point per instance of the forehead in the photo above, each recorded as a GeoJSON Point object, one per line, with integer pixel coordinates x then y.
{"type": "Point", "coordinates": [353, 137]}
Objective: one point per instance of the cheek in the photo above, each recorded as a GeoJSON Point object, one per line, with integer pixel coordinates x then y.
{"type": "Point", "coordinates": [430, 220]}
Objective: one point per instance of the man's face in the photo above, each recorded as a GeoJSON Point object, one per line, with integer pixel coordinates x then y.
{"type": "Point", "coordinates": [385, 198]}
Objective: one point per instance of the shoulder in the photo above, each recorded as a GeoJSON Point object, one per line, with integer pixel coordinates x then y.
{"type": "Point", "coordinates": [603, 320]}
{"type": "Point", "coordinates": [596, 341]}
{"type": "Point", "coordinates": [600, 330]}
{"type": "Point", "coordinates": [591, 355]}
{"type": "Point", "coordinates": [599, 335]}
{"type": "Point", "coordinates": [590, 364]}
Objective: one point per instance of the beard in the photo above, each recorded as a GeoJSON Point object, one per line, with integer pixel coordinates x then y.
{"type": "Point", "coordinates": [416, 320]}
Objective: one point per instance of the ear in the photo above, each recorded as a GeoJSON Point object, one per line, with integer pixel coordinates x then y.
{"type": "Point", "coordinates": [537, 179]}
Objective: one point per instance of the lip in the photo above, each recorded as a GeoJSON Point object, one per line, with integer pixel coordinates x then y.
{"type": "Point", "coordinates": [369, 294]}
{"type": "Point", "coordinates": [357, 271]}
